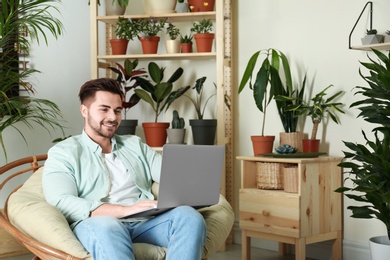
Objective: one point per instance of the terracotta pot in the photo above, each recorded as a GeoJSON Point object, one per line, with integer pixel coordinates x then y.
{"type": "Point", "coordinates": [155, 133]}
{"type": "Point", "coordinates": [204, 42]}
{"type": "Point", "coordinates": [201, 5]}
{"type": "Point", "coordinates": [294, 139]}
{"type": "Point", "coordinates": [119, 46]}
{"type": "Point", "coordinates": [186, 47]}
{"type": "Point", "coordinates": [262, 144]}
{"type": "Point", "coordinates": [310, 145]}
{"type": "Point", "coordinates": [150, 44]}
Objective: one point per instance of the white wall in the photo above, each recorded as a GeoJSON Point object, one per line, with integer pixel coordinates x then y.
{"type": "Point", "coordinates": [313, 34]}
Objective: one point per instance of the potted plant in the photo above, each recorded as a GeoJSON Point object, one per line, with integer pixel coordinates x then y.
{"type": "Point", "coordinates": [203, 130]}
{"type": "Point", "coordinates": [202, 34]}
{"type": "Point", "coordinates": [263, 87]}
{"type": "Point", "coordinates": [126, 76]}
{"type": "Point", "coordinates": [372, 37]}
{"type": "Point", "coordinates": [124, 32]}
{"type": "Point", "coordinates": [172, 44]}
{"type": "Point", "coordinates": [186, 43]}
{"type": "Point", "coordinates": [159, 7]}
{"type": "Point", "coordinates": [317, 111]}
{"type": "Point", "coordinates": [181, 7]}
{"type": "Point", "coordinates": [116, 7]}
{"type": "Point", "coordinates": [367, 163]}
{"type": "Point", "coordinates": [147, 29]}
{"type": "Point", "coordinates": [159, 96]}
{"type": "Point", "coordinates": [177, 133]}
{"type": "Point", "coordinates": [37, 19]}
{"type": "Point", "coordinates": [201, 5]}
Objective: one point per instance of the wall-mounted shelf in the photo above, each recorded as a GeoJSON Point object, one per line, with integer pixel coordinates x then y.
{"type": "Point", "coordinates": [378, 46]}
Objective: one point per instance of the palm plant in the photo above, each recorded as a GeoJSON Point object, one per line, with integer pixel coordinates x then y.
{"type": "Point", "coordinates": [368, 164]}
{"type": "Point", "coordinates": [35, 19]}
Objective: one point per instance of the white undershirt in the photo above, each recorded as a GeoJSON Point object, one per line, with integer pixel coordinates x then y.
{"type": "Point", "coordinates": [123, 190]}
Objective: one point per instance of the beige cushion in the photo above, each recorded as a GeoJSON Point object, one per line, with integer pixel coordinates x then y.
{"type": "Point", "coordinates": [29, 212]}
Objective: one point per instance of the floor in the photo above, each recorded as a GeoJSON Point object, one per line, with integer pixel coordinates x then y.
{"type": "Point", "coordinates": [233, 252]}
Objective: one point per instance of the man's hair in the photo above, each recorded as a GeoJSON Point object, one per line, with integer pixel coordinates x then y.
{"type": "Point", "coordinates": [89, 88]}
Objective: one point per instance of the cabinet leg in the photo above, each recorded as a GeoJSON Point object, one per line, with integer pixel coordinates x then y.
{"type": "Point", "coordinates": [282, 248]}
{"type": "Point", "coordinates": [246, 246]}
{"type": "Point", "coordinates": [337, 247]}
{"type": "Point", "coordinates": [300, 249]}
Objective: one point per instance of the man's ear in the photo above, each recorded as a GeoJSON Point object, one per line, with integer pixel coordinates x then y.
{"type": "Point", "coordinates": [83, 110]}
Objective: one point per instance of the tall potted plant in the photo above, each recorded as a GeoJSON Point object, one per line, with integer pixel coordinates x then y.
{"type": "Point", "coordinates": [203, 35]}
{"type": "Point", "coordinates": [368, 163]}
{"type": "Point", "coordinates": [203, 130]}
{"type": "Point", "coordinates": [126, 76]}
{"type": "Point", "coordinates": [35, 17]}
{"type": "Point", "coordinates": [125, 31]}
{"type": "Point", "coordinates": [147, 29]}
{"type": "Point", "coordinates": [159, 96]}
{"type": "Point", "coordinates": [263, 87]}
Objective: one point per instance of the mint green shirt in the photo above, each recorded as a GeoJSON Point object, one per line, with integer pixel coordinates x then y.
{"type": "Point", "coordinates": [76, 179]}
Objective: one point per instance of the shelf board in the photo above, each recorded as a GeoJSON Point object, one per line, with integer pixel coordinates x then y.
{"type": "Point", "coordinates": [174, 56]}
{"type": "Point", "coordinates": [172, 17]}
{"type": "Point", "coordinates": [378, 46]}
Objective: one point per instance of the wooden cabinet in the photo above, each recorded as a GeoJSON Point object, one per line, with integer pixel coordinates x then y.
{"type": "Point", "coordinates": [311, 215]}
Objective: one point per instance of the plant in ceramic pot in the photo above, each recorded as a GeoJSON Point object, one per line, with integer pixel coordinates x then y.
{"type": "Point", "coordinates": [177, 133]}
{"type": "Point", "coordinates": [152, 7]}
{"type": "Point", "coordinates": [125, 31]}
{"type": "Point", "coordinates": [21, 108]}
{"type": "Point", "coordinates": [181, 7]}
{"type": "Point", "coordinates": [372, 37]}
{"type": "Point", "coordinates": [172, 44]}
{"type": "Point", "coordinates": [116, 7]}
{"type": "Point", "coordinates": [201, 5]}
{"type": "Point", "coordinates": [147, 29]}
{"type": "Point", "coordinates": [186, 43]}
{"type": "Point", "coordinates": [126, 76]}
{"type": "Point", "coordinates": [203, 35]}
{"type": "Point", "coordinates": [203, 130]}
{"type": "Point", "coordinates": [263, 87]}
{"type": "Point", "coordinates": [367, 163]}
{"type": "Point", "coordinates": [159, 96]}
{"type": "Point", "coordinates": [319, 108]}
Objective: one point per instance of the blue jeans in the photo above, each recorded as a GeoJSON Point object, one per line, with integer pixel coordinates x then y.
{"type": "Point", "coordinates": [181, 230]}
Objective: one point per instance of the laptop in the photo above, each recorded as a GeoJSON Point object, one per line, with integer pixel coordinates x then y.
{"type": "Point", "coordinates": [190, 175]}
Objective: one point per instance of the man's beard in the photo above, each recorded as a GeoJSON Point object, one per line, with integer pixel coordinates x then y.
{"type": "Point", "coordinates": [98, 128]}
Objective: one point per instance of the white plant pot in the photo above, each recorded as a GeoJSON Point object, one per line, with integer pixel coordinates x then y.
{"type": "Point", "coordinates": [172, 46]}
{"type": "Point", "coordinates": [159, 6]}
{"type": "Point", "coordinates": [380, 248]}
{"type": "Point", "coordinates": [114, 9]}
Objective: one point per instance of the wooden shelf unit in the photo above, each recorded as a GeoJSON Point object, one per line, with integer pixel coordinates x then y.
{"type": "Point", "coordinates": [311, 215]}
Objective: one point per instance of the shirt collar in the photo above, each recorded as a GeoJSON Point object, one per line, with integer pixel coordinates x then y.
{"type": "Point", "coordinates": [93, 146]}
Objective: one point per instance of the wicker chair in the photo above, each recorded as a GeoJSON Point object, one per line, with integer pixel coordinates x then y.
{"type": "Point", "coordinates": [54, 244]}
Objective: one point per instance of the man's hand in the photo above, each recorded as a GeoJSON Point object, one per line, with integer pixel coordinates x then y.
{"type": "Point", "coordinates": [118, 211]}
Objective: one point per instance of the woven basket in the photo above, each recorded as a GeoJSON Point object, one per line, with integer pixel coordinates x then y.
{"type": "Point", "coordinates": [290, 178]}
{"type": "Point", "coordinates": [294, 139]}
{"type": "Point", "coordinates": [270, 175]}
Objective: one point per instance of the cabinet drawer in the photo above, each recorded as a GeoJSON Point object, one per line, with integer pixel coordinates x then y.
{"type": "Point", "coordinates": [275, 212]}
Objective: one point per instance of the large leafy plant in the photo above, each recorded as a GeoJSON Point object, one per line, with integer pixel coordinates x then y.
{"type": "Point", "coordinates": [35, 19]}
{"type": "Point", "coordinates": [368, 164]}
{"type": "Point", "coordinates": [159, 95]}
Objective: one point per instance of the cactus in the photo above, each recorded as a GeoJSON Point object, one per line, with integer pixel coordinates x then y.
{"type": "Point", "coordinates": [177, 122]}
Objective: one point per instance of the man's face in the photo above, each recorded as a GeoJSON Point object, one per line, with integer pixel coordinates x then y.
{"type": "Point", "coordinates": [103, 114]}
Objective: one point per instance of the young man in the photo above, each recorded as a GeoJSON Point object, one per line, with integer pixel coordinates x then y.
{"type": "Point", "coordinates": [96, 177]}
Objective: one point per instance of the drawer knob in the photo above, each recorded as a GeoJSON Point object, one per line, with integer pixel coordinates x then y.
{"type": "Point", "coordinates": [265, 213]}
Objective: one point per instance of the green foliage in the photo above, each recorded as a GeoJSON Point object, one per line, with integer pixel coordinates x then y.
{"type": "Point", "coordinates": [149, 26]}
{"type": "Point", "coordinates": [186, 39]}
{"type": "Point", "coordinates": [173, 31]}
{"type": "Point", "coordinates": [160, 95]}
{"type": "Point", "coordinates": [267, 83]}
{"type": "Point", "coordinates": [197, 101]}
{"type": "Point", "coordinates": [177, 121]}
{"type": "Point", "coordinates": [126, 76]}
{"type": "Point", "coordinates": [368, 164]}
{"type": "Point", "coordinates": [202, 26]}
{"type": "Point", "coordinates": [36, 18]}
{"type": "Point", "coordinates": [125, 29]}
